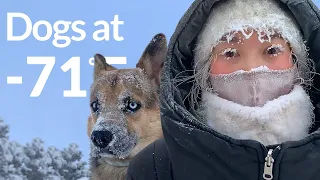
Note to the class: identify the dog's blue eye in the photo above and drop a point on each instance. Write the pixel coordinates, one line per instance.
(95, 106)
(133, 106)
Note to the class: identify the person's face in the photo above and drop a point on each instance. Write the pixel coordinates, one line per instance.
(244, 54)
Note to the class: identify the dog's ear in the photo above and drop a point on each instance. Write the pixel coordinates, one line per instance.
(153, 57)
(101, 65)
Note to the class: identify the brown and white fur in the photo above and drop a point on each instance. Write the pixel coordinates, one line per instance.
(125, 114)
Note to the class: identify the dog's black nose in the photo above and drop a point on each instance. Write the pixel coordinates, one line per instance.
(101, 138)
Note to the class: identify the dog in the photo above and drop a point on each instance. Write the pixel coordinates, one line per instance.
(125, 112)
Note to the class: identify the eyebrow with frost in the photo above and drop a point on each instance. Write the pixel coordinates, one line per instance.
(233, 37)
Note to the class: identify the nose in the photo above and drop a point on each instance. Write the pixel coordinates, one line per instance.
(101, 138)
(253, 62)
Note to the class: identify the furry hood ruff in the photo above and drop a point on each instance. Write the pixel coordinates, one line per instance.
(287, 118)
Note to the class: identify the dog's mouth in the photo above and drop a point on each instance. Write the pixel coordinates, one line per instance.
(109, 157)
(114, 160)
(107, 153)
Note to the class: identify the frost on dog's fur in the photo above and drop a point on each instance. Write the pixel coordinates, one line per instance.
(111, 117)
(122, 143)
(125, 114)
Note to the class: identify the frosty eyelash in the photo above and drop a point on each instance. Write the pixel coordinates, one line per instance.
(228, 50)
(278, 47)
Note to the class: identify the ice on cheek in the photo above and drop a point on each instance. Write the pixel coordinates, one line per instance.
(257, 69)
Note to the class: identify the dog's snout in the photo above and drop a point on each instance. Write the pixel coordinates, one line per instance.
(101, 139)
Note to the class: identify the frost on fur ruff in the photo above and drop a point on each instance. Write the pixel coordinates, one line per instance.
(283, 119)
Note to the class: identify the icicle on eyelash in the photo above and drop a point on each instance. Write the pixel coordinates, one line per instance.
(279, 47)
(228, 50)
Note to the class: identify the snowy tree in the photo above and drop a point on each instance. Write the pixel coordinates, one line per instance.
(33, 162)
(17, 159)
(37, 160)
(7, 169)
(72, 167)
(4, 129)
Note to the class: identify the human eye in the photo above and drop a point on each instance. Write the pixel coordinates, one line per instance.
(229, 53)
(275, 49)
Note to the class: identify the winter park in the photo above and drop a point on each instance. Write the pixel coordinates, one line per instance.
(167, 90)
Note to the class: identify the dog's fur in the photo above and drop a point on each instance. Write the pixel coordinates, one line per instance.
(124, 103)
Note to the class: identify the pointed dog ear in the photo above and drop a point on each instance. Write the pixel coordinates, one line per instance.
(100, 65)
(153, 57)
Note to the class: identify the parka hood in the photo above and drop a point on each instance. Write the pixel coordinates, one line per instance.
(180, 125)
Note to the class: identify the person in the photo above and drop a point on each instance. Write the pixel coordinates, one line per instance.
(239, 94)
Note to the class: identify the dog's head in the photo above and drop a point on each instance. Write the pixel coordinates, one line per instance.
(124, 104)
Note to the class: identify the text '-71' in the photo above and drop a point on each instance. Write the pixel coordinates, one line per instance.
(72, 64)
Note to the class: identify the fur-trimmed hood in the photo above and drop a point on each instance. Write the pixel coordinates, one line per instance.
(195, 149)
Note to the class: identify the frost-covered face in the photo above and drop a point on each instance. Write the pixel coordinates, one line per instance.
(246, 52)
(251, 69)
(241, 35)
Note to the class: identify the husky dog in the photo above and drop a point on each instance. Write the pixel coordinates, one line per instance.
(125, 112)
